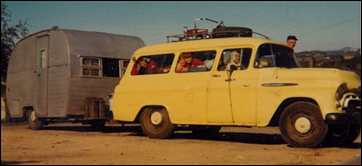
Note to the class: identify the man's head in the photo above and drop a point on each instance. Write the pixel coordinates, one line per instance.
(187, 57)
(291, 41)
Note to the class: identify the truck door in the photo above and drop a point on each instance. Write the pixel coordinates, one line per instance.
(242, 86)
(218, 94)
(42, 51)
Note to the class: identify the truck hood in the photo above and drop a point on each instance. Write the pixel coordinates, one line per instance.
(322, 74)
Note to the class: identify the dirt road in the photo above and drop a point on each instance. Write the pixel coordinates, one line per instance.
(75, 144)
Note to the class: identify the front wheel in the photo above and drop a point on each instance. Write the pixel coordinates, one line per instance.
(302, 125)
(33, 121)
(156, 123)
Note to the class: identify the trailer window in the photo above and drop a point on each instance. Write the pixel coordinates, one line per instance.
(91, 66)
(110, 67)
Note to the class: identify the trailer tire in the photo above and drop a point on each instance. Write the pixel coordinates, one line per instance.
(155, 123)
(33, 120)
(301, 125)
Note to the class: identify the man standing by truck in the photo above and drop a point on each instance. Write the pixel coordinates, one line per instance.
(291, 41)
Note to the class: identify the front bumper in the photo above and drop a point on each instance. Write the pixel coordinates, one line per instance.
(344, 118)
(350, 107)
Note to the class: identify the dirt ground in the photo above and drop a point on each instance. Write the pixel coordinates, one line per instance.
(76, 144)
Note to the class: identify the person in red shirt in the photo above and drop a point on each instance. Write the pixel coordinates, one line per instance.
(152, 67)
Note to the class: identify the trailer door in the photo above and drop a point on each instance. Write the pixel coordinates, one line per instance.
(42, 48)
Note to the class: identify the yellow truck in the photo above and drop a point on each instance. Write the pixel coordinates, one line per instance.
(237, 81)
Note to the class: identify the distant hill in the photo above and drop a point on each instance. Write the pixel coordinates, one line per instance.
(346, 58)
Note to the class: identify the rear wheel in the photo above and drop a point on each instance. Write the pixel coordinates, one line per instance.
(33, 120)
(155, 123)
(302, 125)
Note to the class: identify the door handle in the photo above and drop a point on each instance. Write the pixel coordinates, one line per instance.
(232, 79)
(245, 85)
(215, 75)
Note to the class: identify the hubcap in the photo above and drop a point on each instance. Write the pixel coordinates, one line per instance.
(156, 118)
(302, 125)
(33, 116)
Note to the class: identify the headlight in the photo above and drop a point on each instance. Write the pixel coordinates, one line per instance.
(341, 90)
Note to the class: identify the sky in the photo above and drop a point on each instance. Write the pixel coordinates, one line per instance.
(317, 25)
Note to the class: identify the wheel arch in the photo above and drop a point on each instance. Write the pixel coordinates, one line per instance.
(286, 102)
(136, 120)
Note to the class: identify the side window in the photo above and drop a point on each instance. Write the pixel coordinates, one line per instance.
(265, 57)
(239, 57)
(91, 66)
(155, 64)
(110, 67)
(43, 54)
(42, 60)
(284, 56)
(195, 61)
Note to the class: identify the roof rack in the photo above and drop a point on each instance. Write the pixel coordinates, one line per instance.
(220, 31)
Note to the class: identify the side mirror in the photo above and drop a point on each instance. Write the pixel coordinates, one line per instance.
(230, 70)
(233, 67)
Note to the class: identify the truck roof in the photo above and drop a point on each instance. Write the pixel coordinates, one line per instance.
(203, 43)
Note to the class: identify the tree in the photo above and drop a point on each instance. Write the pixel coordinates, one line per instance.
(10, 33)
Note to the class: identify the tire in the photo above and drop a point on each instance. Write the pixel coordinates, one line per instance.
(33, 120)
(302, 125)
(206, 130)
(155, 123)
(98, 125)
(342, 135)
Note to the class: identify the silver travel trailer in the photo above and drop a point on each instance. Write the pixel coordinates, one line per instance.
(66, 75)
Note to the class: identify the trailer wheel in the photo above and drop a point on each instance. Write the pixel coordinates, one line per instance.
(33, 120)
(155, 123)
(342, 135)
(302, 125)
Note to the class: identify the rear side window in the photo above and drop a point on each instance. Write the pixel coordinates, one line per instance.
(153, 64)
(201, 61)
